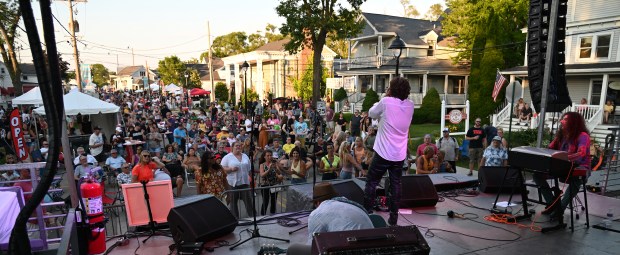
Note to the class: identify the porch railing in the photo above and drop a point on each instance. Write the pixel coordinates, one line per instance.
(591, 113)
(502, 115)
(416, 98)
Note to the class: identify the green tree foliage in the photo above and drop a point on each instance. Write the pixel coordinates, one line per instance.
(371, 98)
(252, 96)
(271, 35)
(340, 46)
(221, 92)
(230, 44)
(409, 10)
(309, 22)
(490, 40)
(172, 70)
(434, 12)
(101, 75)
(340, 94)
(9, 20)
(193, 79)
(304, 85)
(430, 111)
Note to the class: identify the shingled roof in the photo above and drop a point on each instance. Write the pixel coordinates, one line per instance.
(129, 70)
(274, 46)
(203, 69)
(409, 29)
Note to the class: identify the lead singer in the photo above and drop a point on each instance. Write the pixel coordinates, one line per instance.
(394, 112)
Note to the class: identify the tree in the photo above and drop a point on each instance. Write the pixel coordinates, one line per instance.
(252, 96)
(192, 61)
(371, 98)
(271, 35)
(490, 40)
(9, 18)
(221, 92)
(171, 69)
(101, 75)
(193, 79)
(304, 85)
(340, 94)
(434, 12)
(430, 109)
(230, 44)
(340, 46)
(309, 22)
(409, 11)
(255, 40)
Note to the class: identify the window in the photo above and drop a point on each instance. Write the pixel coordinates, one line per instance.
(366, 83)
(431, 49)
(24, 77)
(3, 71)
(594, 47)
(142, 73)
(595, 91)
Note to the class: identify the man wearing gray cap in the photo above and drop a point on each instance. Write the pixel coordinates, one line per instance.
(494, 155)
(450, 146)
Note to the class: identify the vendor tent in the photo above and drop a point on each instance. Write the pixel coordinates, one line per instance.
(154, 87)
(77, 102)
(31, 97)
(172, 87)
(198, 92)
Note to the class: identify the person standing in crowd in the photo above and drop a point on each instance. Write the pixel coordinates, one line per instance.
(495, 155)
(349, 165)
(489, 132)
(427, 143)
(96, 142)
(366, 124)
(180, 137)
(330, 164)
(329, 118)
(450, 146)
(341, 123)
(572, 137)
(301, 130)
(210, 177)
(297, 168)
(477, 142)
(270, 175)
(500, 133)
(237, 167)
(154, 139)
(356, 124)
(394, 112)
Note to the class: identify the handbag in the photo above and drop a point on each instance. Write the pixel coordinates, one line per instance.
(276, 189)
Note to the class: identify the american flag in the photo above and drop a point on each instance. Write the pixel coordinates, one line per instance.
(499, 82)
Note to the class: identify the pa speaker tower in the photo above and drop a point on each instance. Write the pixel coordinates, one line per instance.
(538, 35)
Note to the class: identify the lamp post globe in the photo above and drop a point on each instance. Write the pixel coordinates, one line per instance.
(244, 69)
(397, 46)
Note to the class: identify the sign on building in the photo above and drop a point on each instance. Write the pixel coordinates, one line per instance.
(333, 83)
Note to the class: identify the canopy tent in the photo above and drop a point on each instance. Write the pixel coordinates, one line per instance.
(171, 87)
(139, 91)
(31, 97)
(154, 87)
(198, 92)
(77, 102)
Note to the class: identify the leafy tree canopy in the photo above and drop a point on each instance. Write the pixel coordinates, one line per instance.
(239, 42)
(171, 70)
(221, 92)
(9, 19)
(309, 22)
(409, 10)
(303, 85)
(193, 79)
(434, 12)
(101, 75)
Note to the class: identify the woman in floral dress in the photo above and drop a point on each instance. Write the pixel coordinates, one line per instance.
(210, 177)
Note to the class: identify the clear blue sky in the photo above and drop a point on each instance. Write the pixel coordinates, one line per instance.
(156, 29)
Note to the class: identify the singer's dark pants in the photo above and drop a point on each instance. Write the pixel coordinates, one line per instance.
(377, 169)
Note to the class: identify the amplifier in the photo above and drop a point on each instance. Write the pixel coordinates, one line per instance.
(381, 241)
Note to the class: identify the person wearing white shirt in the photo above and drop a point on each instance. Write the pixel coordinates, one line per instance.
(90, 159)
(96, 143)
(237, 168)
(394, 112)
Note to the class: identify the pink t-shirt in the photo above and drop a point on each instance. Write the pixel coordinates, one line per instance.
(394, 120)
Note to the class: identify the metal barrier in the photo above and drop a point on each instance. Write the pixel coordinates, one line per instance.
(289, 198)
(117, 220)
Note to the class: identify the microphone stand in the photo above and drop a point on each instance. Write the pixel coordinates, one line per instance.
(255, 232)
(148, 207)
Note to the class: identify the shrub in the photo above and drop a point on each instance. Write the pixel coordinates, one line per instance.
(340, 94)
(221, 91)
(430, 109)
(371, 98)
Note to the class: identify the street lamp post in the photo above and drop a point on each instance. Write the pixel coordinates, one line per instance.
(397, 46)
(186, 76)
(244, 69)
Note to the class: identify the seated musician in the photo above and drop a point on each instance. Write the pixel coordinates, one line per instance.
(495, 155)
(573, 138)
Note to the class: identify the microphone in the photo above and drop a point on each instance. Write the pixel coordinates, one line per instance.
(452, 214)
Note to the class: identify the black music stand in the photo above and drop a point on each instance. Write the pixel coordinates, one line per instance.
(148, 208)
(255, 232)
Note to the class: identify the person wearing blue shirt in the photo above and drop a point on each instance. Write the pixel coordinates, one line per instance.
(495, 155)
(179, 136)
(301, 130)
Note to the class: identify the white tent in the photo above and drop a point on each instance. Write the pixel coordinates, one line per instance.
(78, 102)
(171, 87)
(154, 87)
(31, 97)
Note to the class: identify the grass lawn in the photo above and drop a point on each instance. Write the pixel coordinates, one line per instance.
(419, 130)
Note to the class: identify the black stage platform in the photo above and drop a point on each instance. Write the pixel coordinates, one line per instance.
(471, 235)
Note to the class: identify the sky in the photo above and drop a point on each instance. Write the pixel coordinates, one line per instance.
(111, 29)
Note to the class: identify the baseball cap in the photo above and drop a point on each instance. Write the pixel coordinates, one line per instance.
(497, 138)
(446, 130)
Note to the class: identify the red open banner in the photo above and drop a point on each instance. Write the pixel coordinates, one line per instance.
(19, 144)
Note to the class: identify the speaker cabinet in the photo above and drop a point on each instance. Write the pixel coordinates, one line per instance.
(417, 191)
(201, 221)
(490, 178)
(351, 190)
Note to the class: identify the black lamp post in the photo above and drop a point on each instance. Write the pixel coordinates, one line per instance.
(397, 45)
(186, 76)
(244, 69)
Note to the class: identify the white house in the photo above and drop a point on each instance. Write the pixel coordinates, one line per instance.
(132, 78)
(28, 78)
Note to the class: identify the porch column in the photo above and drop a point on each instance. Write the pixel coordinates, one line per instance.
(237, 82)
(603, 90)
(466, 84)
(424, 84)
(445, 84)
(260, 87)
(374, 82)
(227, 72)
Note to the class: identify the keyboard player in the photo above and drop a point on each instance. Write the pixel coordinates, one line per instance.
(573, 138)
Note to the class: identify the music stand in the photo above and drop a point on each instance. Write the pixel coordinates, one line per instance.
(255, 232)
(150, 214)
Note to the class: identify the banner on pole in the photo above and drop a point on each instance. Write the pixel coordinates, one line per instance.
(87, 76)
(333, 83)
(19, 144)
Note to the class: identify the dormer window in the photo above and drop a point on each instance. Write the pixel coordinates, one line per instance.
(431, 49)
(142, 73)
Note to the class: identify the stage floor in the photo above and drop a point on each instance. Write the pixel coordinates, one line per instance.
(446, 235)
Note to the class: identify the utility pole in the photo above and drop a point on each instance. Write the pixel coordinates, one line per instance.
(212, 95)
(133, 58)
(76, 56)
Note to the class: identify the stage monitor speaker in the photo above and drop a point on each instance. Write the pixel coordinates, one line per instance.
(201, 221)
(418, 191)
(351, 190)
(490, 178)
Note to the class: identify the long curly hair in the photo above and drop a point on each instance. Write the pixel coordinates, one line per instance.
(575, 125)
(399, 88)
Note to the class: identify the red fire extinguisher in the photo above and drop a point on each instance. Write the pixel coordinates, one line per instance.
(92, 193)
